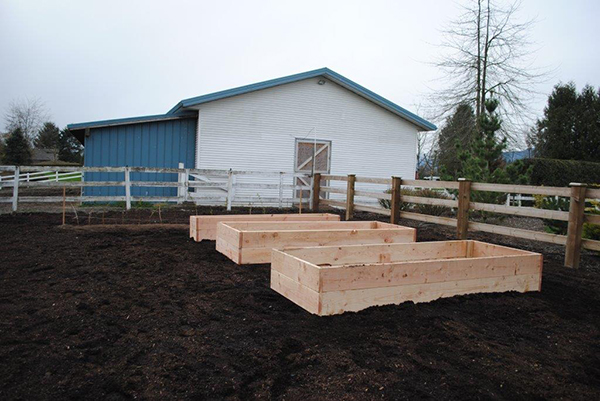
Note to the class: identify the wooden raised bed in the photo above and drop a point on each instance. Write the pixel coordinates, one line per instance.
(333, 280)
(205, 227)
(251, 242)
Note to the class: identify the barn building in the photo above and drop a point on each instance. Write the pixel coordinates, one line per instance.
(268, 126)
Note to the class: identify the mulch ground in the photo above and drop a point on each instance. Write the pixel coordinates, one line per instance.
(143, 312)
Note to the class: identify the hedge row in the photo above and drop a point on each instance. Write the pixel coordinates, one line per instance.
(559, 173)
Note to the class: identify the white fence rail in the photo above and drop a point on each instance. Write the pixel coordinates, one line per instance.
(43, 176)
(200, 186)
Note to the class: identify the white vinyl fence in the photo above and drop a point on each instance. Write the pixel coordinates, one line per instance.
(42, 176)
(200, 186)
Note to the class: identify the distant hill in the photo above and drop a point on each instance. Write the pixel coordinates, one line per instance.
(509, 157)
(515, 155)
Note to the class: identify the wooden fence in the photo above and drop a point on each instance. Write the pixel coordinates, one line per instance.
(193, 185)
(575, 217)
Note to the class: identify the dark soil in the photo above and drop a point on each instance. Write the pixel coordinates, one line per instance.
(114, 312)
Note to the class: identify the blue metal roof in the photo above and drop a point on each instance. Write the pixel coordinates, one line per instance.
(322, 72)
(130, 120)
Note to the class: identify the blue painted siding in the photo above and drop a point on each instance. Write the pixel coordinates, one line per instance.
(144, 144)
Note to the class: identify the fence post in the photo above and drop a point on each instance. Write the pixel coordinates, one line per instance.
(575, 228)
(186, 184)
(395, 202)
(15, 199)
(180, 189)
(464, 199)
(281, 189)
(350, 196)
(315, 191)
(229, 189)
(127, 189)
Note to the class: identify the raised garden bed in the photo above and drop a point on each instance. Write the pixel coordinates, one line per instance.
(205, 227)
(332, 280)
(251, 242)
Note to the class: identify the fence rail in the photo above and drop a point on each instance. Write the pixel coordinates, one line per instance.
(576, 216)
(201, 186)
(213, 186)
(41, 176)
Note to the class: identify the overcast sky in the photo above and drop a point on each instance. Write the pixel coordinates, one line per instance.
(94, 60)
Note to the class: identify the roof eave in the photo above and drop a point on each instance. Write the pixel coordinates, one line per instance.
(324, 72)
(78, 129)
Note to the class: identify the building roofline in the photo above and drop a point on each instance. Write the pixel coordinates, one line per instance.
(78, 129)
(130, 120)
(324, 72)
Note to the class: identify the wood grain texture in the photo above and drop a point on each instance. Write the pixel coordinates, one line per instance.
(351, 278)
(256, 239)
(337, 302)
(206, 226)
(575, 227)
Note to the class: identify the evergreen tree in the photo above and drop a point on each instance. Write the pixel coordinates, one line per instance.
(570, 129)
(69, 149)
(48, 137)
(483, 160)
(2, 147)
(460, 129)
(17, 151)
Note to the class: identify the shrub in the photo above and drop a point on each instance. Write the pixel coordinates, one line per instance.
(592, 231)
(557, 173)
(419, 208)
(404, 207)
(553, 203)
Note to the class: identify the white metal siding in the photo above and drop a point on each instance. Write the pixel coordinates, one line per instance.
(257, 131)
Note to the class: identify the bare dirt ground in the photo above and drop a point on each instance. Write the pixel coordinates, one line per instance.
(142, 312)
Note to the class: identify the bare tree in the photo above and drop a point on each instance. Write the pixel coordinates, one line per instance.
(27, 114)
(426, 144)
(429, 164)
(486, 51)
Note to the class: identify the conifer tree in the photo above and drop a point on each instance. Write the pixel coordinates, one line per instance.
(47, 137)
(482, 160)
(69, 149)
(17, 149)
(460, 128)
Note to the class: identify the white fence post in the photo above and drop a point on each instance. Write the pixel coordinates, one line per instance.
(186, 192)
(180, 189)
(81, 189)
(281, 189)
(127, 189)
(229, 189)
(507, 199)
(15, 199)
